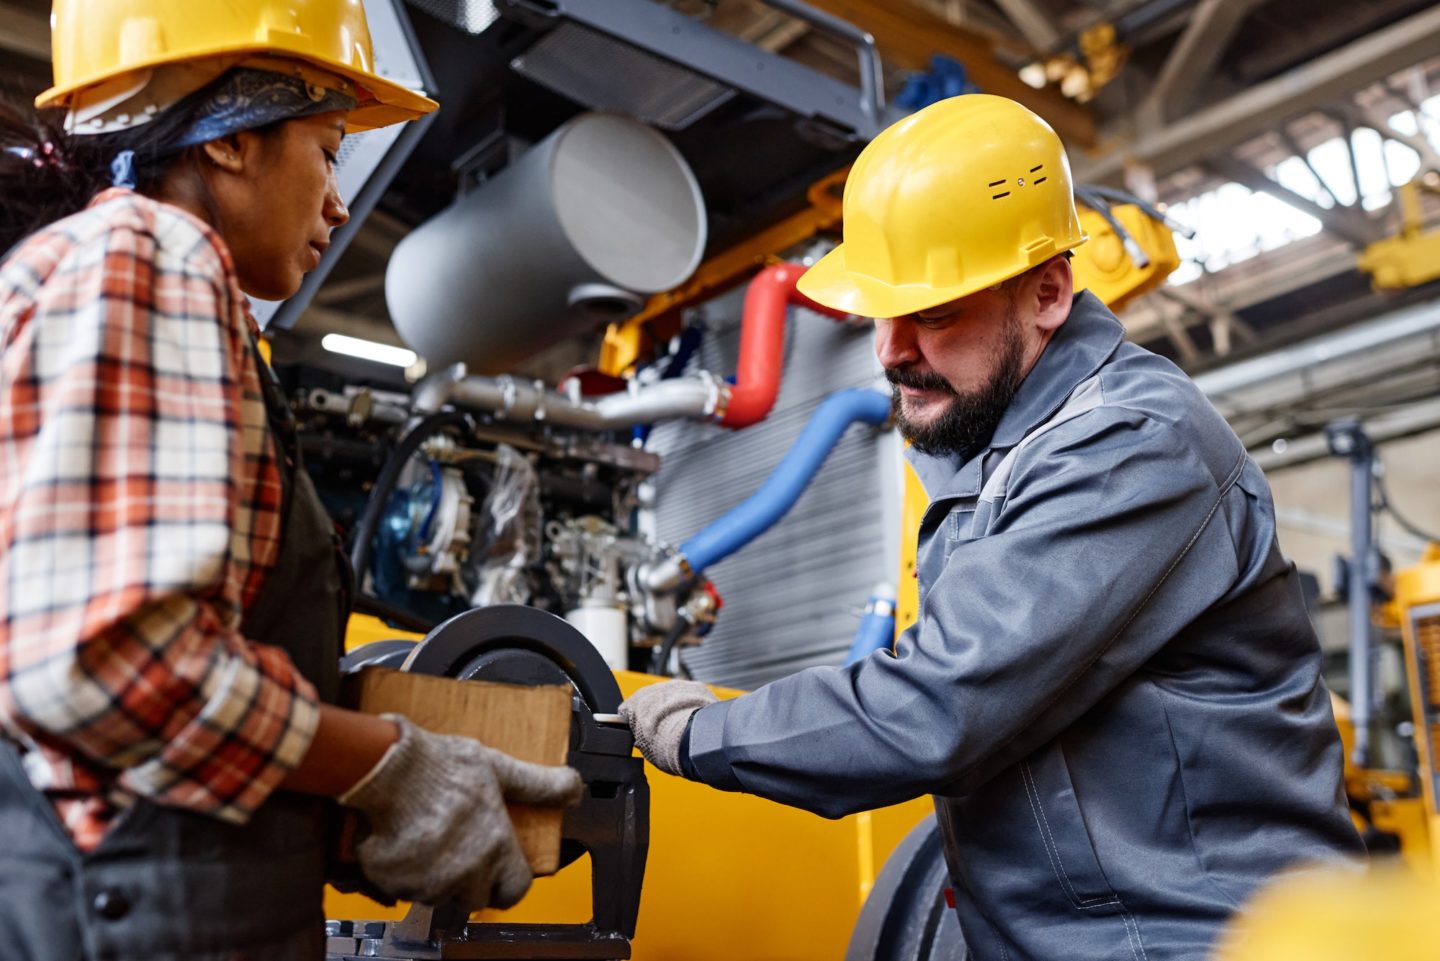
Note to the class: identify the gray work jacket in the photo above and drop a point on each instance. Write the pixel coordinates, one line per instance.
(1113, 689)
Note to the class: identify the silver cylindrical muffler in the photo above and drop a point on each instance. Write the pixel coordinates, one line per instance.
(575, 233)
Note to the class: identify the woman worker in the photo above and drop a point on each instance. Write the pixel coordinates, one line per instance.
(171, 597)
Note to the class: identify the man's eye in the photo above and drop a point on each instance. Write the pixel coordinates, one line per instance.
(330, 157)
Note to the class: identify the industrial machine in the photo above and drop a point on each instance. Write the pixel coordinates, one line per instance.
(507, 523)
(505, 529)
(586, 163)
(1395, 804)
(1409, 258)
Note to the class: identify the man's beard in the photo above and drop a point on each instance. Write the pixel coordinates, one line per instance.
(970, 417)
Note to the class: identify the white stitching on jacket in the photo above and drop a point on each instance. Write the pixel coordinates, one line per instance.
(1052, 851)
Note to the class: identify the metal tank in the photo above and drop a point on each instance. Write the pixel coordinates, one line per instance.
(574, 234)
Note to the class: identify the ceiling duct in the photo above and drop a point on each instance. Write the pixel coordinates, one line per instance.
(611, 36)
(607, 74)
(570, 236)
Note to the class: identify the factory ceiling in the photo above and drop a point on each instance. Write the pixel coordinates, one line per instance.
(1180, 100)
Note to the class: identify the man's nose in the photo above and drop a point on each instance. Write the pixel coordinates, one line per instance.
(895, 344)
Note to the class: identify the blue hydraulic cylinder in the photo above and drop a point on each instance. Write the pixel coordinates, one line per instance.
(762, 509)
(877, 625)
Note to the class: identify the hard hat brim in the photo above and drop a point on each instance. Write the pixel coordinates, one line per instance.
(831, 283)
(391, 102)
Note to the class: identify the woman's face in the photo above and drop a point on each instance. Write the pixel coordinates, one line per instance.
(276, 200)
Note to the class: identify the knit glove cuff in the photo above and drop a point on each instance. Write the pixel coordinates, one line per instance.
(658, 716)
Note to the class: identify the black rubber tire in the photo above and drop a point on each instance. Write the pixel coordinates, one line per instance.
(906, 917)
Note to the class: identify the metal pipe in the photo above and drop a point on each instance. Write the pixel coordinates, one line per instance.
(702, 396)
(1348, 440)
(697, 398)
(1359, 599)
(877, 624)
(1413, 419)
(1263, 371)
(519, 401)
(762, 342)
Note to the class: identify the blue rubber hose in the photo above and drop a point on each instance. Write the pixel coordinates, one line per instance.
(762, 509)
(877, 625)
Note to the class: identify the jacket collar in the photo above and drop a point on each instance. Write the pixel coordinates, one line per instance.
(1082, 344)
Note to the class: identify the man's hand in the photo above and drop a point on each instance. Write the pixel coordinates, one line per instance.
(658, 716)
(439, 830)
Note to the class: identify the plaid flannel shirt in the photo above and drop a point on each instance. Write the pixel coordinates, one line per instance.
(139, 516)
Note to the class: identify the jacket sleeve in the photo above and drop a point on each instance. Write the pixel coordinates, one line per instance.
(119, 629)
(1108, 544)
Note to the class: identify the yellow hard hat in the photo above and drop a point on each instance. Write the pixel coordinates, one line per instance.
(97, 44)
(957, 197)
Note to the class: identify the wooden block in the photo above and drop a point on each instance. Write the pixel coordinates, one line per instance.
(530, 723)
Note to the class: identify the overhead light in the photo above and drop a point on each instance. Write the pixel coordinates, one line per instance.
(1033, 75)
(368, 350)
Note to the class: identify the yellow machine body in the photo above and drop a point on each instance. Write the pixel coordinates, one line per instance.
(1410, 258)
(1416, 605)
(1399, 262)
(1388, 798)
(1103, 266)
(719, 863)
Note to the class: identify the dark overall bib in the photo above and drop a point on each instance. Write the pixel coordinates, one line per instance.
(171, 885)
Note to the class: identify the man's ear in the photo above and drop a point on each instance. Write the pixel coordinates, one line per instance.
(1054, 290)
(227, 153)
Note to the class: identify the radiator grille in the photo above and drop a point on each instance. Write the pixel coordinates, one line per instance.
(472, 16)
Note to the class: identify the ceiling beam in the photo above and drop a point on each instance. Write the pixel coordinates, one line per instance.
(1033, 23)
(908, 35)
(26, 32)
(1345, 222)
(1207, 35)
(1370, 117)
(1265, 105)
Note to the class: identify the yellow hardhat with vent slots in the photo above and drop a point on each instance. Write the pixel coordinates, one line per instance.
(100, 47)
(957, 197)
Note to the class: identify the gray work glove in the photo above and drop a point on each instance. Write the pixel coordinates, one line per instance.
(439, 831)
(658, 716)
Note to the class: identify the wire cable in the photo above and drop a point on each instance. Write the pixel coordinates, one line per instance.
(1153, 212)
(1089, 198)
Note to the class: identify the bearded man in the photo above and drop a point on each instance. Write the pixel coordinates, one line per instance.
(1113, 689)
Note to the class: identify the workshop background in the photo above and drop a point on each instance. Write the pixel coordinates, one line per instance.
(583, 221)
